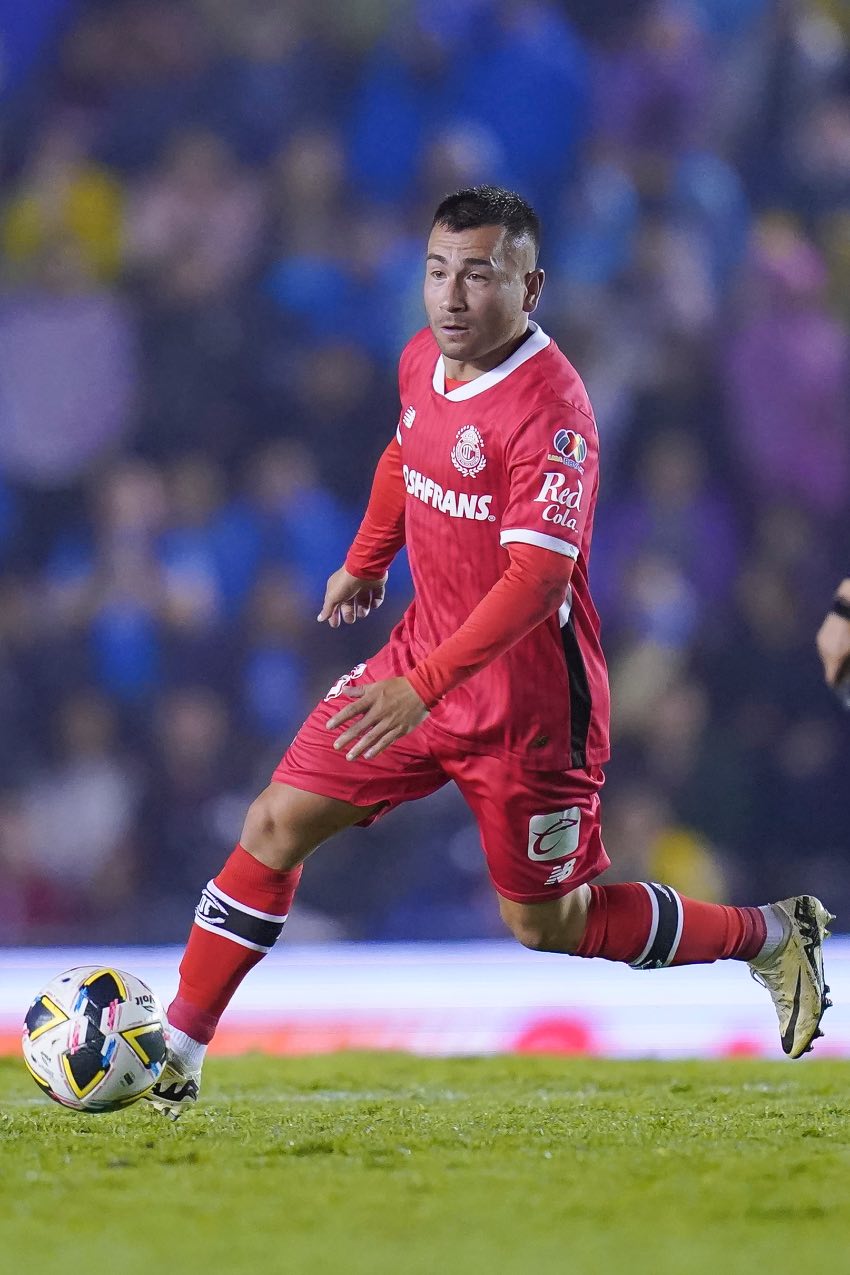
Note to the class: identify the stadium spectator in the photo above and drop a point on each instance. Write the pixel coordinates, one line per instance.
(788, 362)
(193, 227)
(62, 196)
(68, 368)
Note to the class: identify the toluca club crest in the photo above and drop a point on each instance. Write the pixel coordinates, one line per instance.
(468, 452)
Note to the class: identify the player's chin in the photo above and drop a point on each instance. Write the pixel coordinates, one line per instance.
(456, 342)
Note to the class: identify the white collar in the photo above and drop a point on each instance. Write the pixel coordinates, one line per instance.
(531, 346)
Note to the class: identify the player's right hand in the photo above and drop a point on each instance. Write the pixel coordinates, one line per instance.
(349, 598)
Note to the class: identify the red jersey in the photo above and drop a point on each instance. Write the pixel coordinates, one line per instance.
(509, 457)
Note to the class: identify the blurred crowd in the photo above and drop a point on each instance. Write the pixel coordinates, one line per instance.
(211, 231)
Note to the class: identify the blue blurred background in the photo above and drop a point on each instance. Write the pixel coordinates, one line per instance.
(212, 221)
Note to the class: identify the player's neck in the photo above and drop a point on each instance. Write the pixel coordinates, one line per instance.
(460, 371)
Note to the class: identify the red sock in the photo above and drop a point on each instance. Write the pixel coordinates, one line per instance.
(238, 919)
(652, 926)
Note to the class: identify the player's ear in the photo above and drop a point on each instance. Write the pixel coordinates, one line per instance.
(534, 281)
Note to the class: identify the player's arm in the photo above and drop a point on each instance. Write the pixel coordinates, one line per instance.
(532, 588)
(358, 586)
(833, 640)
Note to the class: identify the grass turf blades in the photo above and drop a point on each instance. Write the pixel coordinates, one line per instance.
(367, 1163)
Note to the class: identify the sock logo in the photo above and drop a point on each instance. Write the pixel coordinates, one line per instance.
(247, 926)
(210, 909)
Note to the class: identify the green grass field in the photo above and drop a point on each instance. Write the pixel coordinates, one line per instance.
(379, 1163)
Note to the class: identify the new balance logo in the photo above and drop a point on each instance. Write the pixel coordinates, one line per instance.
(558, 875)
(210, 909)
(409, 417)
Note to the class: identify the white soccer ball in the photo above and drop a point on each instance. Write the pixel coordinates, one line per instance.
(94, 1039)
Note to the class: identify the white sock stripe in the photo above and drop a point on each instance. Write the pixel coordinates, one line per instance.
(679, 927)
(653, 929)
(278, 918)
(225, 934)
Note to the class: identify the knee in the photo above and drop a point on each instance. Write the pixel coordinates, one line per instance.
(535, 936)
(548, 927)
(263, 819)
(270, 835)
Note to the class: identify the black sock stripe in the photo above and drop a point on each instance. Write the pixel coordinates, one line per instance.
(580, 701)
(668, 931)
(214, 913)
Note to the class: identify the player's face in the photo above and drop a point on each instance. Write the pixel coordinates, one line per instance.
(480, 287)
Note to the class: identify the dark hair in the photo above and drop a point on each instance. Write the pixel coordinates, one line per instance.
(489, 206)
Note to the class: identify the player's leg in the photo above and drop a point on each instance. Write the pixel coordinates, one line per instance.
(542, 837)
(316, 793)
(652, 926)
(642, 924)
(242, 911)
(240, 916)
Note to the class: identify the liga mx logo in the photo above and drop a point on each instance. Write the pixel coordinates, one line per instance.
(468, 452)
(571, 448)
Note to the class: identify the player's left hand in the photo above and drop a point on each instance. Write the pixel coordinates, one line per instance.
(833, 643)
(833, 639)
(386, 710)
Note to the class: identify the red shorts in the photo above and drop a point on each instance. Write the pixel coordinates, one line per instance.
(540, 829)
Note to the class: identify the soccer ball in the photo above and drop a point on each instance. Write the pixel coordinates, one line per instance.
(94, 1039)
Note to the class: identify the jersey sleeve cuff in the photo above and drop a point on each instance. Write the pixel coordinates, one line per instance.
(427, 693)
(367, 568)
(520, 535)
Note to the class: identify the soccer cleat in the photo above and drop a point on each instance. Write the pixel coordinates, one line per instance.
(794, 975)
(175, 1091)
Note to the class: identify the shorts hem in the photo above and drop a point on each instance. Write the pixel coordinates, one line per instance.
(322, 788)
(543, 896)
(554, 891)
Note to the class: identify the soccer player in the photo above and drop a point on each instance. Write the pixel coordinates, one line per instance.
(494, 677)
